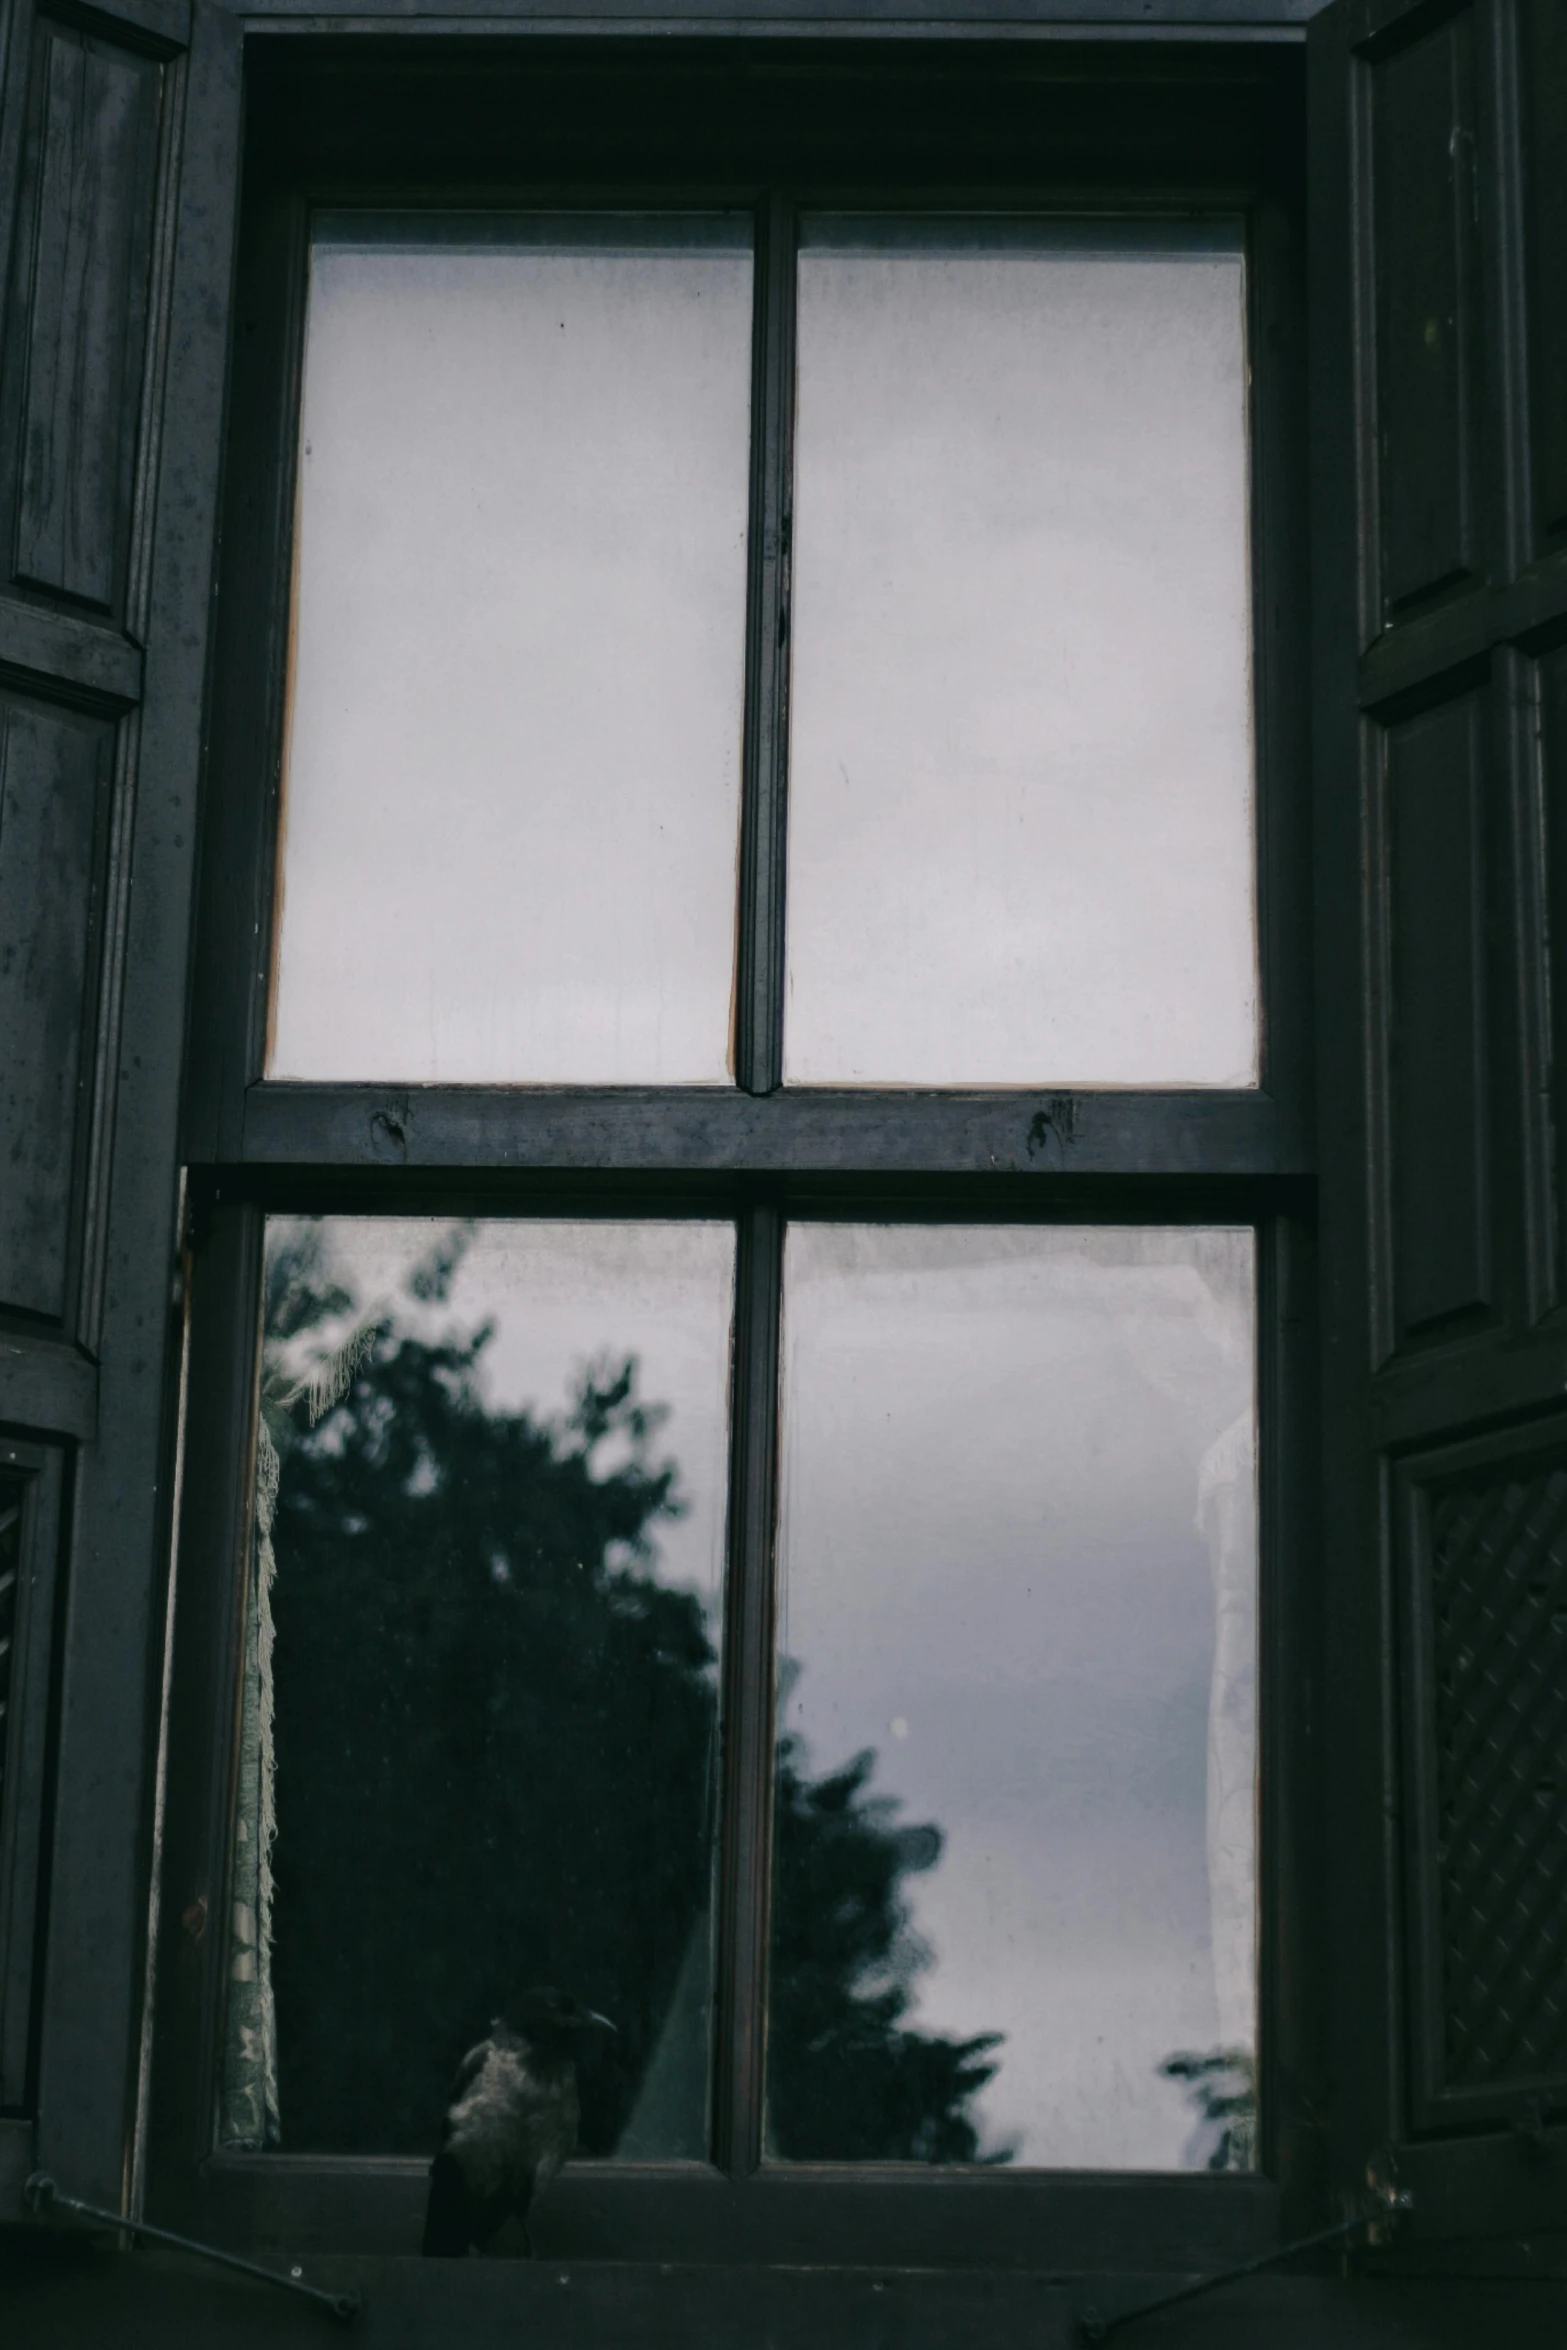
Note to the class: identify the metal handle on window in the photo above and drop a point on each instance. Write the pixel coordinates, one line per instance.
(41, 2195)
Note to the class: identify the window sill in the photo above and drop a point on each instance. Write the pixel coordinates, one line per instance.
(822, 2218)
(16, 2160)
(83, 2292)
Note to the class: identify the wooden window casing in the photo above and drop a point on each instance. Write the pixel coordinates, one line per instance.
(862, 125)
(1426, 147)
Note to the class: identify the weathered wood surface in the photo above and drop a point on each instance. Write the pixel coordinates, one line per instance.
(67, 2297)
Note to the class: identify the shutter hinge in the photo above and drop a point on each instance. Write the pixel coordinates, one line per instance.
(1377, 2212)
(41, 2195)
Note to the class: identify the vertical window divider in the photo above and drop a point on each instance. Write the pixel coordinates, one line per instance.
(748, 1697)
(759, 976)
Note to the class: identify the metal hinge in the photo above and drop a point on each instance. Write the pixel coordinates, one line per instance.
(41, 2195)
(1377, 2212)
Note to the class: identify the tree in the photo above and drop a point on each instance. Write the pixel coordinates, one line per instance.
(1222, 2085)
(496, 1743)
(847, 2079)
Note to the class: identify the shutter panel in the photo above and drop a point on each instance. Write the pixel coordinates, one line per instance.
(1439, 162)
(119, 142)
(29, 1549)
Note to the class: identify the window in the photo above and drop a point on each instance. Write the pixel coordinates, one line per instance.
(639, 1356)
(742, 1286)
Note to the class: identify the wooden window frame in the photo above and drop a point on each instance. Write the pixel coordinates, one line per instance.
(343, 121)
(32, 1485)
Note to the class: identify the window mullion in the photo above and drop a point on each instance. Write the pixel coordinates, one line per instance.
(758, 1044)
(748, 1696)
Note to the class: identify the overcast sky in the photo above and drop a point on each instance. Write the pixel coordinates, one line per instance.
(993, 1574)
(1020, 789)
(512, 782)
(998, 1443)
(1020, 770)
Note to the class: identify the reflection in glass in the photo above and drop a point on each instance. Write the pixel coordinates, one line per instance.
(1020, 795)
(1014, 1874)
(513, 764)
(480, 1686)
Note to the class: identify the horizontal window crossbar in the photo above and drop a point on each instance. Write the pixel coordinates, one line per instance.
(1050, 1133)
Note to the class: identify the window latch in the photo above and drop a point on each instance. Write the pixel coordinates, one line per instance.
(41, 2196)
(1382, 2204)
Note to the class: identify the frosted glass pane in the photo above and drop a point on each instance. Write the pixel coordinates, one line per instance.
(1020, 795)
(513, 768)
(1014, 1897)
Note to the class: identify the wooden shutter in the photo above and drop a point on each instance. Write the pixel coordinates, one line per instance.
(118, 171)
(1439, 357)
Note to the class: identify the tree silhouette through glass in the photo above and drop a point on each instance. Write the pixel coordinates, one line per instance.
(847, 2079)
(496, 1738)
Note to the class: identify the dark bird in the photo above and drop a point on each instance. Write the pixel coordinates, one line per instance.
(511, 2123)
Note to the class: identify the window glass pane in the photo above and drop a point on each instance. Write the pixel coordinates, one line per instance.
(513, 766)
(1014, 1895)
(1020, 797)
(480, 1687)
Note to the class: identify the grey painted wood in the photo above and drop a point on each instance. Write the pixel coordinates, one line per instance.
(1480, 1552)
(68, 649)
(1427, 356)
(1050, 1133)
(72, 2294)
(749, 1672)
(759, 989)
(1543, 74)
(54, 778)
(167, 22)
(16, 2160)
(1421, 650)
(1146, 18)
(89, 2031)
(46, 1383)
(1071, 2221)
(1430, 1390)
(1358, 1891)
(120, 1520)
(92, 172)
(1434, 1011)
(1439, 1091)
(760, 1153)
(31, 1484)
(1549, 712)
(1293, 1829)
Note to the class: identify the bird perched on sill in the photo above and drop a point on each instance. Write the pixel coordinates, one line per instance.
(511, 2123)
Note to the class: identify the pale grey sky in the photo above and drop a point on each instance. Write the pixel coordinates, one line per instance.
(1020, 826)
(998, 1443)
(1020, 794)
(992, 1572)
(512, 781)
